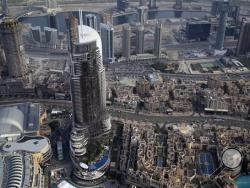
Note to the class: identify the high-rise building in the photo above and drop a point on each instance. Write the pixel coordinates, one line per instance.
(88, 90)
(199, 30)
(5, 7)
(107, 36)
(12, 44)
(233, 9)
(51, 37)
(126, 43)
(36, 34)
(222, 27)
(140, 40)
(157, 40)
(2, 62)
(122, 5)
(178, 4)
(142, 14)
(91, 21)
(152, 4)
(53, 22)
(243, 46)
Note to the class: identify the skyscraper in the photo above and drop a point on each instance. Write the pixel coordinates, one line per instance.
(107, 36)
(243, 46)
(5, 7)
(36, 34)
(142, 14)
(51, 37)
(122, 5)
(140, 40)
(91, 21)
(88, 90)
(12, 44)
(152, 4)
(157, 40)
(53, 22)
(126, 43)
(222, 27)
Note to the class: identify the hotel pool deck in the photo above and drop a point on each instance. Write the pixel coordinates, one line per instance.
(243, 182)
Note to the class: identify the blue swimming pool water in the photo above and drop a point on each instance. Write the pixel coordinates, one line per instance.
(243, 182)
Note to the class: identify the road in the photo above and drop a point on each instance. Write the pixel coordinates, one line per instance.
(196, 45)
(221, 120)
(225, 120)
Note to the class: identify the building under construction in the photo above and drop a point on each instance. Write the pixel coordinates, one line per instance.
(12, 44)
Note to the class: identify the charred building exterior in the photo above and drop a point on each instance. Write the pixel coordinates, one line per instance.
(88, 88)
(12, 44)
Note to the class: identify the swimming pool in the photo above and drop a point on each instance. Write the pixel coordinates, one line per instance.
(243, 182)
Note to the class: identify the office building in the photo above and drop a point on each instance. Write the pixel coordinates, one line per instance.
(126, 42)
(140, 40)
(91, 21)
(157, 39)
(36, 34)
(243, 46)
(88, 91)
(5, 7)
(222, 27)
(12, 44)
(152, 4)
(53, 22)
(142, 14)
(51, 37)
(199, 31)
(107, 36)
(122, 5)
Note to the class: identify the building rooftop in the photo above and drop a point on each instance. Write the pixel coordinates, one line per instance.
(19, 118)
(28, 144)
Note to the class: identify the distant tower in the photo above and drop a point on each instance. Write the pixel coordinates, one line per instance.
(107, 36)
(36, 34)
(142, 14)
(243, 46)
(51, 37)
(178, 4)
(53, 22)
(142, 3)
(140, 40)
(122, 5)
(222, 27)
(5, 7)
(12, 44)
(126, 43)
(91, 21)
(152, 4)
(157, 40)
